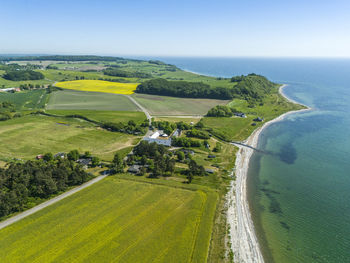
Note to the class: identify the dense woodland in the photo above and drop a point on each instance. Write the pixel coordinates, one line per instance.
(252, 88)
(23, 183)
(20, 75)
(184, 89)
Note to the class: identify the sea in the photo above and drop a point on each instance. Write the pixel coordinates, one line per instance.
(299, 192)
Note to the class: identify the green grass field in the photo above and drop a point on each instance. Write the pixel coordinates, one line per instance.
(238, 129)
(30, 135)
(26, 100)
(116, 220)
(164, 106)
(104, 116)
(79, 100)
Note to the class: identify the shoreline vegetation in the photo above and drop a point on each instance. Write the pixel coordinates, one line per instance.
(243, 238)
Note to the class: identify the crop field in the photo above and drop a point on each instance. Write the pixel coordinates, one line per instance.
(171, 106)
(79, 100)
(31, 135)
(116, 220)
(104, 116)
(99, 86)
(26, 100)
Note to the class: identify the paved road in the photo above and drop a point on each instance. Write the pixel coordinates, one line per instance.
(37, 208)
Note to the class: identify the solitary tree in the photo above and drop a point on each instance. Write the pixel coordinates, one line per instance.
(118, 164)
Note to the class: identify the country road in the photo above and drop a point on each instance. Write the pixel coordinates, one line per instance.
(41, 206)
(148, 116)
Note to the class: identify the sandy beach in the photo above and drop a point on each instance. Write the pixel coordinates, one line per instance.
(244, 242)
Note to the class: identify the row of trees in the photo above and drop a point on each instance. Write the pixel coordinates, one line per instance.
(185, 142)
(183, 89)
(20, 183)
(131, 127)
(125, 74)
(169, 127)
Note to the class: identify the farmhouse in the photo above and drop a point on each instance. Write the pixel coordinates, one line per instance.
(160, 138)
(84, 162)
(11, 90)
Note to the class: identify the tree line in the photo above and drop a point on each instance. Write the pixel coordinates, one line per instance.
(115, 72)
(21, 183)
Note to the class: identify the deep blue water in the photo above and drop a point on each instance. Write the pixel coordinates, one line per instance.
(300, 196)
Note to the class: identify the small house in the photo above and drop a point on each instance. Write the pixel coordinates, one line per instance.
(39, 156)
(134, 169)
(211, 156)
(259, 119)
(209, 171)
(240, 114)
(84, 162)
(60, 155)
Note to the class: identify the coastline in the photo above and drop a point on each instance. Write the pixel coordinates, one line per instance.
(244, 242)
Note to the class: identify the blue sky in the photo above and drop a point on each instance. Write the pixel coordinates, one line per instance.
(177, 28)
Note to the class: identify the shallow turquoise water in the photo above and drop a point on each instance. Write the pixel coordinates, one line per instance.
(300, 194)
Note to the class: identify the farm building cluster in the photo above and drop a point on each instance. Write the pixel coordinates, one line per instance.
(160, 137)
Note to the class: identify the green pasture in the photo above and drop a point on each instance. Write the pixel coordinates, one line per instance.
(79, 100)
(31, 135)
(116, 220)
(238, 129)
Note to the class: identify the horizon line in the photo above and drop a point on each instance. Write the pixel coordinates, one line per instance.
(173, 56)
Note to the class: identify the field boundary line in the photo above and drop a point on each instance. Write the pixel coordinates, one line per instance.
(49, 202)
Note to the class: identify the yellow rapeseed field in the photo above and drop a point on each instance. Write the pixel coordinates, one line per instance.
(99, 86)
